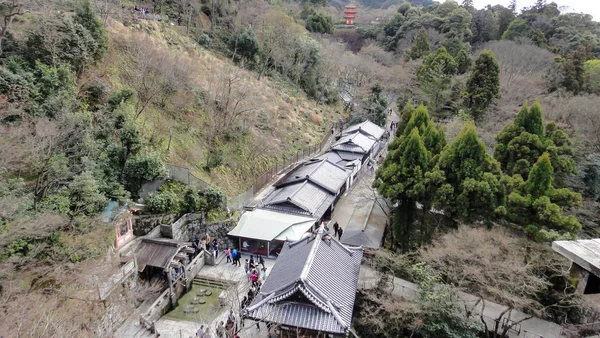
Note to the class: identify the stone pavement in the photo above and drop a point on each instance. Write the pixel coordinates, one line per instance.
(528, 328)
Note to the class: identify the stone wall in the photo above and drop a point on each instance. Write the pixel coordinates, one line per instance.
(143, 224)
(191, 227)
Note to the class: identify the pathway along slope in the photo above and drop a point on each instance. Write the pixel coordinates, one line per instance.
(528, 328)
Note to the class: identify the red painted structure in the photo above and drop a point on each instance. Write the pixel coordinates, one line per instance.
(350, 14)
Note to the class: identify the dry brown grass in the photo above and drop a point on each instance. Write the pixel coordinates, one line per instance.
(494, 264)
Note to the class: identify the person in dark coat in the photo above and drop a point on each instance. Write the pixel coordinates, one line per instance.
(340, 232)
(336, 227)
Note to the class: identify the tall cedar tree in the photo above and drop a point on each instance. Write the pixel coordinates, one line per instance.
(483, 85)
(467, 178)
(537, 203)
(463, 60)
(401, 177)
(420, 47)
(520, 144)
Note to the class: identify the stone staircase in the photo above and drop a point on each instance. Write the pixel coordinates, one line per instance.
(211, 282)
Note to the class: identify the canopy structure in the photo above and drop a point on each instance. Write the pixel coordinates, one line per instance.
(583, 252)
(266, 225)
(159, 253)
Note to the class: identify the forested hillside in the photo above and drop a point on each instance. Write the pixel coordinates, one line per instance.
(497, 152)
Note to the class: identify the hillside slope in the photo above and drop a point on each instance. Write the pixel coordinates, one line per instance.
(261, 120)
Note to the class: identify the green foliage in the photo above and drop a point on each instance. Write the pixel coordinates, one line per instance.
(143, 167)
(520, 144)
(591, 74)
(84, 15)
(573, 69)
(85, 195)
(446, 63)
(435, 77)
(538, 38)
(244, 44)
(62, 40)
(439, 304)
(215, 198)
(319, 23)
(537, 202)
(402, 174)
(517, 28)
(467, 178)
(540, 178)
(164, 202)
(420, 47)
(43, 89)
(463, 60)
(483, 84)
(117, 98)
(375, 105)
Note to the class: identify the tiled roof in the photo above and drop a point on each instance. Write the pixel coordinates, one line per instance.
(320, 172)
(157, 253)
(304, 198)
(367, 128)
(356, 142)
(312, 285)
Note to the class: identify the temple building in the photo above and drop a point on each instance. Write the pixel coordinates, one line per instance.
(311, 289)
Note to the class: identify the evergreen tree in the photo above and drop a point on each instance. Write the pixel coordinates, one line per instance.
(376, 104)
(466, 178)
(435, 77)
(401, 176)
(463, 60)
(420, 47)
(319, 23)
(520, 144)
(536, 204)
(483, 84)
(84, 15)
(447, 64)
(539, 182)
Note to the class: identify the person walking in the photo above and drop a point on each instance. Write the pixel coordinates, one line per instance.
(261, 261)
(340, 232)
(336, 227)
(228, 255)
(238, 257)
(234, 256)
(247, 269)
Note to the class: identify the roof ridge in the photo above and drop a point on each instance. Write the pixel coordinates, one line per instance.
(290, 198)
(311, 255)
(263, 301)
(337, 316)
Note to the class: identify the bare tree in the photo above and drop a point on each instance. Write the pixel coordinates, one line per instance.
(154, 72)
(107, 8)
(230, 101)
(9, 9)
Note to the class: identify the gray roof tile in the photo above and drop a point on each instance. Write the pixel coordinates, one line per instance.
(312, 285)
(323, 173)
(306, 196)
(355, 142)
(367, 128)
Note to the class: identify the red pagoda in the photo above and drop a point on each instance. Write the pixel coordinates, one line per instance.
(349, 14)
